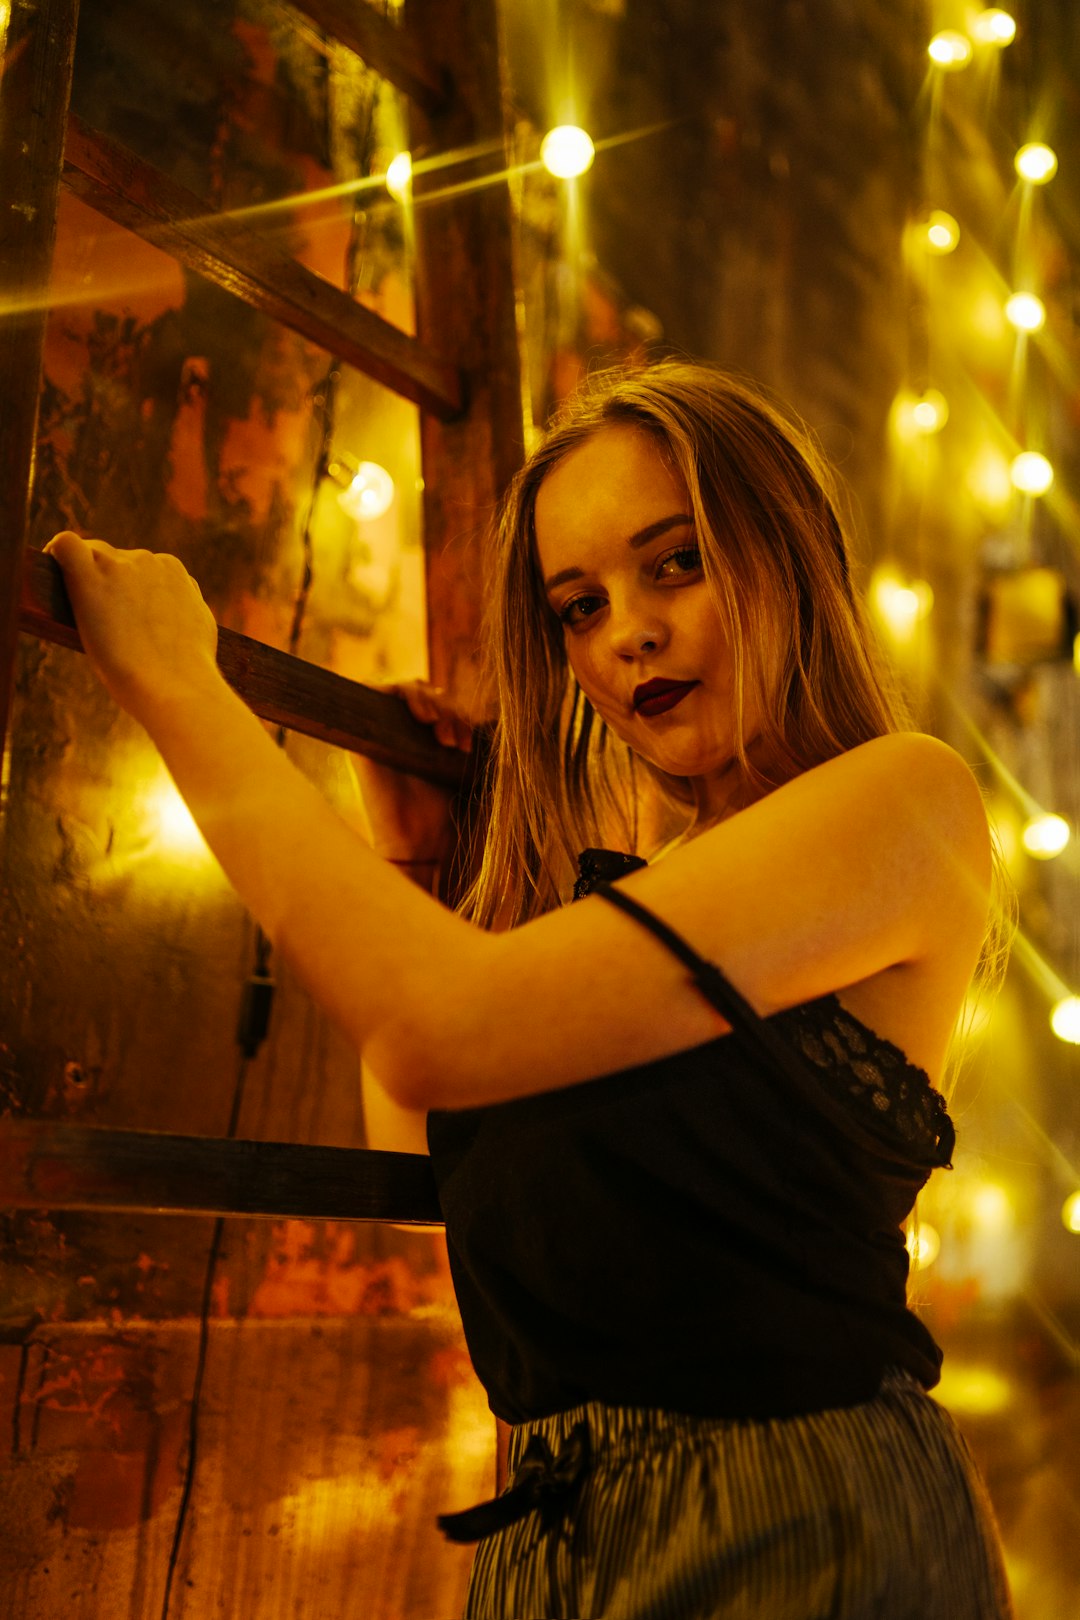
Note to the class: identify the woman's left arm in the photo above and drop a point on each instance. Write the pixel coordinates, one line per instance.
(878, 858)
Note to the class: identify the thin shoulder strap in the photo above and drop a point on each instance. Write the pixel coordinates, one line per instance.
(707, 976)
(755, 1031)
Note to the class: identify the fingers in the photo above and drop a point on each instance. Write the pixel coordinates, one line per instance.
(432, 706)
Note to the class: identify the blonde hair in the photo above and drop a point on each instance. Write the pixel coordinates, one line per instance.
(777, 561)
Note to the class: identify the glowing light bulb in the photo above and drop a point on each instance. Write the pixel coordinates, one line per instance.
(178, 836)
(994, 27)
(930, 413)
(1045, 836)
(1031, 473)
(900, 605)
(567, 151)
(991, 1208)
(1036, 163)
(950, 51)
(989, 481)
(399, 176)
(1026, 312)
(370, 494)
(1070, 1212)
(975, 1391)
(942, 232)
(923, 1245)
(1065, 1020)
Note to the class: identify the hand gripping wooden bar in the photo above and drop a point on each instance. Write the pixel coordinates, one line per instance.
(278, 687)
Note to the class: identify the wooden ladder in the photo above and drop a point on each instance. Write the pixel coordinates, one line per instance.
(462, 370)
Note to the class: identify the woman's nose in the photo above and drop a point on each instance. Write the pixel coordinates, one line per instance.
(634, 633)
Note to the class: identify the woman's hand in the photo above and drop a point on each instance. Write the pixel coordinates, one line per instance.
(411, 821)
(144, 625)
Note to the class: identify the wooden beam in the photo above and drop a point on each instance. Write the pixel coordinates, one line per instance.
(393, 51)
(45, 1164)
(35, 87)
(278, 687)
(113, 180)
(465, 302)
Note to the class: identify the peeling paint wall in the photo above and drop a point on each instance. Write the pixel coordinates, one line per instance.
(337, 1411)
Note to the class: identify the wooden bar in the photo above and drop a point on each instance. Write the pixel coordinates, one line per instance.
(466, 303)
(394, 52)
(113, 180)
(50, 1165)
(35, 87)
(278, 687)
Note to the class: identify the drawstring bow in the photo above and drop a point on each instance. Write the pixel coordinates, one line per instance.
(541, 1481)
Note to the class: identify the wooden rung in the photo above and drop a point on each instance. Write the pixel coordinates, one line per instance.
(111, 179)
(46, 1164)
(393, 51)
(277, 686)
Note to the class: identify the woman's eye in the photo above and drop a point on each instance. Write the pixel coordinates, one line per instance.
(581, 608)
(685, 560)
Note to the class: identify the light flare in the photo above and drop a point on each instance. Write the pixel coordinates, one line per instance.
(567, 151)
(1036, 163)
(1025, 312)
(950, 50)
(994, 27)
(942, 232)
(1065, 1020)
(1045, 836)
(1031, 473)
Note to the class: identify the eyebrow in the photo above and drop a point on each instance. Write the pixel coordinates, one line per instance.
(652, 531)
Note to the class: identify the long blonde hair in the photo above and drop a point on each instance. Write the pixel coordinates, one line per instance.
(777, 561)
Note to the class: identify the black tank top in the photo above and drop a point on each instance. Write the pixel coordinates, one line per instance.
(716, 1232)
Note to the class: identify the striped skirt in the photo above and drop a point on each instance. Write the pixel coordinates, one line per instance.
(872, 1512)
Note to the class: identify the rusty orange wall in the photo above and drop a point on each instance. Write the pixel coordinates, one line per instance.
(338, 1412)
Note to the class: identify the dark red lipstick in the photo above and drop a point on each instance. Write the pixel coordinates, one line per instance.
(656, 697)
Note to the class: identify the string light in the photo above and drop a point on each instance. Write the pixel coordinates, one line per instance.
(1026, 312)
(950, 51)
(1036, 163)
(1065, 1020)
(923, 1245)
(994, 27)
(370, 494)
(930, 413)
(942, 232)
(1070, 1212)
(989, 481)
(1031, 473)
(901, 606)
(975, 1391)
(567, 151)
(399, 176)
(1045, 836)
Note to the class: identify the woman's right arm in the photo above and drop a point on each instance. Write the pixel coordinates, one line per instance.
(410, 823)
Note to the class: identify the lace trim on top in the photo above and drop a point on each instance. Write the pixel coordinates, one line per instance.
(865, 1070)
(869, 1072)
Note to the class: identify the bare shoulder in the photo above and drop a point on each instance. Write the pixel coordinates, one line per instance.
(923, 778)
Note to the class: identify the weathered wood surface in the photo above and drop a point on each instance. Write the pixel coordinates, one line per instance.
(120, 185)
(326, 1447)
(466, 307)
(394, 52)
(49, 1165)
(278, 687)
(35, 88)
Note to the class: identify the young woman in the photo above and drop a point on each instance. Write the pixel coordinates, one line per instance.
(676, 1127)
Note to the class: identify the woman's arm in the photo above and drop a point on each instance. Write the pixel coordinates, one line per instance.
(877, 858)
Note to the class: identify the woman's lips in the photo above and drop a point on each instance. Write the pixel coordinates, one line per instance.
(659, 698)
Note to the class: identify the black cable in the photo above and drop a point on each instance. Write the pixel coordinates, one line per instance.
(258, 993)
(195, 1412)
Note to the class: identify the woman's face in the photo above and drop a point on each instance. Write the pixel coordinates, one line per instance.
(619, 558)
